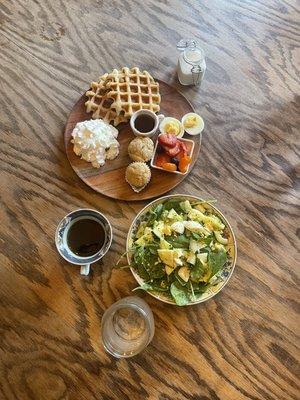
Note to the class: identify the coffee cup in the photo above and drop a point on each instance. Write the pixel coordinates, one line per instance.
(145, 123)
(83, 237)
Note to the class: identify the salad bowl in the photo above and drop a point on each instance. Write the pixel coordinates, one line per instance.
(219, 258)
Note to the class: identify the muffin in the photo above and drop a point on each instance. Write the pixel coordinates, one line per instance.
(141, 149)
(138, 175)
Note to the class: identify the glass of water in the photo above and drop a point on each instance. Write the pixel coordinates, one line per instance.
(127, 327)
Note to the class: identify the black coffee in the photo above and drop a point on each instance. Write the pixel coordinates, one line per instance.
(144, 123)
(85, 237)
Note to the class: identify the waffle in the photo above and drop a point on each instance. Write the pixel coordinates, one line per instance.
(117, 95)
(100, 105)
(132, 90)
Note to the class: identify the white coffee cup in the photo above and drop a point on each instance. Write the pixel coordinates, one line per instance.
(61, 238)
(156, 119)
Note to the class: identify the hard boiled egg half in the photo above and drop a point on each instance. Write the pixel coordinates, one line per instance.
(192, 123)
(171, 125)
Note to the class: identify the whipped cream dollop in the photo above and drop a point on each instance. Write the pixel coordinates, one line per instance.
(95, 141)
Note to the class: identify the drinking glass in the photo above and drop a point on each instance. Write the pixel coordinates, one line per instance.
(127, 327)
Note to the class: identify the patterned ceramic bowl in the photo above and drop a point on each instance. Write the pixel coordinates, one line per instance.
(226, 272)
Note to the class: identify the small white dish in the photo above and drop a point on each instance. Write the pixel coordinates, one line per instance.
(193, 131)
(167, 120)
(190, 145)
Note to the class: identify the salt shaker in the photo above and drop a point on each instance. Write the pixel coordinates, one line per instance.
(191, 62)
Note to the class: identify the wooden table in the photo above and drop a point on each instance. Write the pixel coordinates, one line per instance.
(243, 344)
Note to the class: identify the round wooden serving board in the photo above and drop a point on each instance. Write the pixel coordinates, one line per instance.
(110, 179)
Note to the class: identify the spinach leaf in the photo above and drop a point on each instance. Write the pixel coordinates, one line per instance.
(179, 294)
(171, 278)
(145, 255)
(172, 203)
(157, 270)
(196, 236)
(138, 255)
(163, 284)
(152, 247)
(155, 214)
(216, 261)
(206, 249)
(197, 296)
(147, 264)
(197, 290)
(207, 240)
(200, 287)
(197, 271)
(178, 242)
(180, 280)
(152, 287)
(141, 270)
(209, 201)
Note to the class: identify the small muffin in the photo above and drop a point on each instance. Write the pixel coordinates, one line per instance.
(138, 175)
(141, 149)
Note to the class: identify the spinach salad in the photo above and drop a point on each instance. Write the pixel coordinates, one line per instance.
(180, 248)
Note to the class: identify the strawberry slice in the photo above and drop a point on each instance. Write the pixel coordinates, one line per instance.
(183, 146)
(174, 150)
(183, 150)
(167, 140)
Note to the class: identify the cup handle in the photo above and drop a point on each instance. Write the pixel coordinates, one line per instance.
(160, 117)
(85, 269)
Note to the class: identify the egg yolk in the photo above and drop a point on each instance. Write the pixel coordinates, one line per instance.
(172, 128)
(190, 122)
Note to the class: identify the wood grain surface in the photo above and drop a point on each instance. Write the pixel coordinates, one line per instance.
(244, 343)
(110, 178)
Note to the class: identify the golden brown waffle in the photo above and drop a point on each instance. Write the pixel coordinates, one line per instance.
(100, 105)
(117, 95)
(132, 90)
